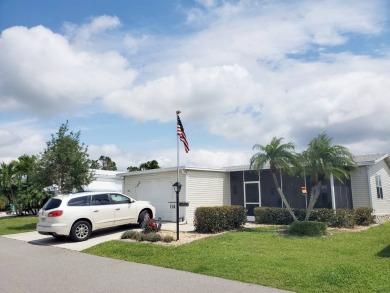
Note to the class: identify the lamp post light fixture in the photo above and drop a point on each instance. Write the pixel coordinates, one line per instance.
(177, 188)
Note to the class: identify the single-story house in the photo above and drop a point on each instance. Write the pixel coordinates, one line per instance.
(369, 186)
(104, 180)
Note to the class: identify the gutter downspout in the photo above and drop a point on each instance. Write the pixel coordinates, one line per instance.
(281, 186)
(185, 199)
(332, 192)
(369, 188)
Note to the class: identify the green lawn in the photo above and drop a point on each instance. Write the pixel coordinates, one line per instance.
(342, 262)
(15, 225)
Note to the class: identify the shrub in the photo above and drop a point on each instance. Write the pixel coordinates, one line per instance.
(280, 216)
(322, 215)
(363, 216)
(221, 218)
(274, 216)
(343, 218)
(307, 228)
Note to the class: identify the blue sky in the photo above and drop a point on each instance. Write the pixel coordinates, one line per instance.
(241, 72)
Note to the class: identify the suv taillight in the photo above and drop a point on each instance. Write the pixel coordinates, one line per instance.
(55, 214)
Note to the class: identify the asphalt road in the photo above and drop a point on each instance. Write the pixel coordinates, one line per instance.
(28, 267)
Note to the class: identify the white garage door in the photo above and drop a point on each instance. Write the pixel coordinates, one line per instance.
(159, 193)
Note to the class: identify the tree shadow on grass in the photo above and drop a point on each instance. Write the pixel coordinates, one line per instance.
(263, 230)
(24, 227)
(385, 252)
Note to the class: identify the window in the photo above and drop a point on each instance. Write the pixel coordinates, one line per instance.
(379, 190)
(100, 199)
(52, 203)
(119, 198)
(79, 201)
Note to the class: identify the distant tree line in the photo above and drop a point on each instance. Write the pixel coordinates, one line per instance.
(64, 166)
(145, 166)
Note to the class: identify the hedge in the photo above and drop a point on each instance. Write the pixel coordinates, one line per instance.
(342, 218)
(220, 218)
(363, 216)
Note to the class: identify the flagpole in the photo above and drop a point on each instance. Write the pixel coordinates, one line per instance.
(177, 182)
(182, 136)
(177, 138)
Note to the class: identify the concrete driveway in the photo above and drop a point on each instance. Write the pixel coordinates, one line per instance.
(36, 268)
(96, 238)
(30, 262)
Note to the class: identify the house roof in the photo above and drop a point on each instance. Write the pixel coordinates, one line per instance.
(171, 169)
(103, 186)
(371, 159)
(105, 173)
(362, 160)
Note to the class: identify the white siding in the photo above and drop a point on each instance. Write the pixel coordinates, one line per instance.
(380, 206)
(206, 188)
(157, 188)
(360, 188)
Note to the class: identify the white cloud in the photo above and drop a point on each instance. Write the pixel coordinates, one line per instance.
(201, 93)
(43, 73)
(97, 26)
(132, 44)
(232, 75)
(217, 158)
(19, 138)
(273, 29)
(206, 158)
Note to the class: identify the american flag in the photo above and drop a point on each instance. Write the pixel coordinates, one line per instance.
(182, 134)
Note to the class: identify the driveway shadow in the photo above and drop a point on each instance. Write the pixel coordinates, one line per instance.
(96, 237)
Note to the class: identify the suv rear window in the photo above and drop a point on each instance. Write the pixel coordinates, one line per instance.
(52, 203)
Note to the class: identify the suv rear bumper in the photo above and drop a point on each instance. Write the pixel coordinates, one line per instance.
(53, 229)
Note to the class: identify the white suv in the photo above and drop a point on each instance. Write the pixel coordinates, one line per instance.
(78, 214)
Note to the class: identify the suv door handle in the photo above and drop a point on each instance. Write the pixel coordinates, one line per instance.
(95, 211)
(117, 209)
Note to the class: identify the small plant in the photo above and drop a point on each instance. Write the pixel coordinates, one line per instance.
(167, 239)
(149, 233)
(151, 237)
(130, 235)
(142, 236)
(151, 225)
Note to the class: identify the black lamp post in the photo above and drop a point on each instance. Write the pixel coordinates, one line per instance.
(177, 188)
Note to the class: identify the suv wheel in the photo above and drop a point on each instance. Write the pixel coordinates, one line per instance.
(80, 231)
(143, 216)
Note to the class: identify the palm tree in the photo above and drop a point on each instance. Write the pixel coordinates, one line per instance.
(322, 159)
(8, 180)
(30, 193)
(26, 167)
(281, 158)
